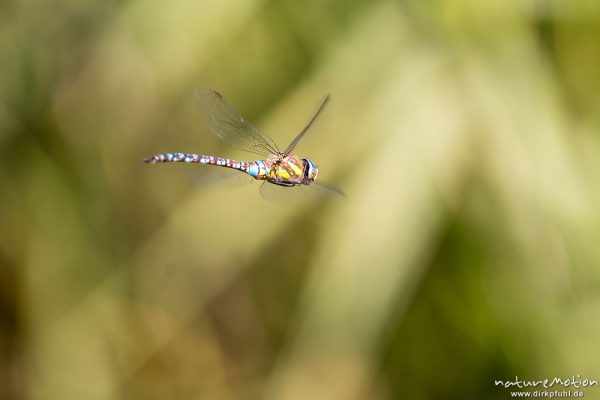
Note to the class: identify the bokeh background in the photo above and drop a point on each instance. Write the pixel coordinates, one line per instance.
(465, 134)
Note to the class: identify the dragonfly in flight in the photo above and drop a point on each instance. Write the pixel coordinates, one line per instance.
(281, 168)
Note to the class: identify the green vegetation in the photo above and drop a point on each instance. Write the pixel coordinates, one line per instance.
(465, 133)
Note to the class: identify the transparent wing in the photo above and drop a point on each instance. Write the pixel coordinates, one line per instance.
(310, 122)
(329, 189)
(283, 195)
(217, 177)
(302, 193)
(225, 122)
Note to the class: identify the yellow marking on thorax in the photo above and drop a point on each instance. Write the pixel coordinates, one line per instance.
(288, 168)
(282, 172)
(296, 169)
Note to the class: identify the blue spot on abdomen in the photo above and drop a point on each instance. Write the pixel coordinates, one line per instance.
(253, 169)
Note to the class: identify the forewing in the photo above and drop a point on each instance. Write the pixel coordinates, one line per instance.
(225, 122)
(297, 194)
(328, 189)
(308, 125)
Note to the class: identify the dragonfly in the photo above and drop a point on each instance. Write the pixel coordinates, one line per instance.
(279, 168)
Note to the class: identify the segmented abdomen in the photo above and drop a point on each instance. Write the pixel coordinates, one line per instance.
(256, 169)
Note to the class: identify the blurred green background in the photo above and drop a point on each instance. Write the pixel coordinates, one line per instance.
(465, 133)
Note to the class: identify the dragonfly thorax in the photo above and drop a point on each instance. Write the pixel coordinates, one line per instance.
(288, 170)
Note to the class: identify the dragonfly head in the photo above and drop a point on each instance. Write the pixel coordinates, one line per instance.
(310, 171)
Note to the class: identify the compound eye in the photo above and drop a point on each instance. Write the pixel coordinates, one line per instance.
(307, 169)
(310, 170)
